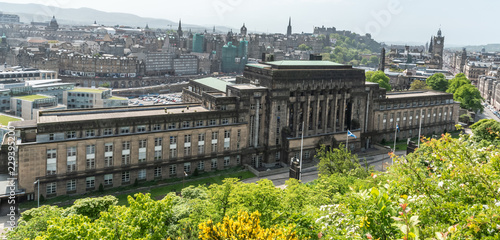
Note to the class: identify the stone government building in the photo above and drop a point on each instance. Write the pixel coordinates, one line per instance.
(256, 120)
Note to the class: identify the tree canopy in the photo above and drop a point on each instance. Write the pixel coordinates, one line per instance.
(437, 82)
(458, 81)
(469, 98)
(380, 78)
(419, 85)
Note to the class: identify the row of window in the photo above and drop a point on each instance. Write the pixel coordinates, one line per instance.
(407, 117)
(71, 152)
(415, 104)
(144, 128)
(51, 188)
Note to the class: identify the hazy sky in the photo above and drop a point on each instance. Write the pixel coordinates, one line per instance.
(406, 21)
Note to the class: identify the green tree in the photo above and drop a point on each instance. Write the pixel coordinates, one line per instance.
(339, 160)
(486, 129)
(419, 85)
(458, 81)
(33, 222)
(380, 78)
(437, 82)
(304, 47)
(469, 98)
(374, 60)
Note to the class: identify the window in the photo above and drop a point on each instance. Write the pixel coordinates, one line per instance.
(173, 153)
(108, 147)
(227, 133)
(107, 131)
(141, 175)
(215, 135)
(187, 167)
(187, 138)
(187, 151)
(214, 163)
(89, 133)
(126, 145)
(108, 161)
(185, 124)
(173, 139)
(171, 126)
(51, 161)
(158, 155)
(226, 161)
(51, 188)
(158, 141)
(201, 137)
(51, 137)
(125, 177)
(225, 121)
(212, 122)
(90, 149)
(199, 123)
(70, 135)
(157, 172)
(201, 148)
(173, 169)
(156, 127)
(124, 130)
(278, 156)
(307, 154)
(71, 159)
(142, 143)
(201, 165)
(214, 147)
(71, 185)
(125, 159)
(141, 128)
(108, 179)
(90, 182)
(238, 159)
(90, 163)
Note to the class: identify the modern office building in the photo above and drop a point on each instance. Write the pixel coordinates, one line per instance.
(92, 98)
(27, 107)
(257, 120)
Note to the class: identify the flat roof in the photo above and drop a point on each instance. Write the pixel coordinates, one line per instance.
(417, 94)
(88, 90)
(214, 83)
(115, 113)
(32, 98)
(118, 98)
(303, 63)
(247, 86)
(5, 119)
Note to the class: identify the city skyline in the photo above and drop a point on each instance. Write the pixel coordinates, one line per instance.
(391, 21)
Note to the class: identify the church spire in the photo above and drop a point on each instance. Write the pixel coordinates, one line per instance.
(179, 30)
(289, 29)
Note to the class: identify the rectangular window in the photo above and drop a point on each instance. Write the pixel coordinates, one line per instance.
(89, 133)
(51, 161)
(107, 131)
(141, 128)
(158, 141)
(215, 135)
(124, 130)
(214, 163)
(142, 143)
(201, 137)
(173, 169)
(199, 123)
(187, 138)
(71, 159)
(214, 147)
(108, 179)
(126, 145)
(227, 133)
(212, 122)
(278, 156)
(90, 163)
(141, 175)
(70, 135)
(171, 126)
(158, 155)
(51, 188)
(187, 167)
(238, 159)
(125, 159)
(226, 161)
(51, 137)
(225, 121)
(201, 165)
(173, 153)
(90, 149)
(187, 151)
(173, 139)
(157, 172)
(185, 124)
(71, 185)
(201, 148)
(156, 127)
(90, 182)
(125, 177)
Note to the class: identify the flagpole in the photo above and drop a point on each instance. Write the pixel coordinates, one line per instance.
(347, 140)
(420, 129)
(301, 148)
(395, 136)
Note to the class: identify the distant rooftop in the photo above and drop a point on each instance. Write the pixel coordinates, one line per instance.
(5, 119)
(294, 64)
(32, 98)
(416, 94)
(213, 83)
(88, 90)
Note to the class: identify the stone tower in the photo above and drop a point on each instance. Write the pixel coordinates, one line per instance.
(437, 50)
(179, 29)
(243, 30)
(381, 66)
(289, 29)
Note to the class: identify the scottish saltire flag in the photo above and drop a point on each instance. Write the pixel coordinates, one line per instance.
(350, 134)
(397, 127)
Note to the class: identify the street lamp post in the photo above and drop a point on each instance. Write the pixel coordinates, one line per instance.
(38, 188)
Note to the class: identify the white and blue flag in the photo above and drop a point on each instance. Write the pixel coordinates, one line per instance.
(350, 134)
(397, 127)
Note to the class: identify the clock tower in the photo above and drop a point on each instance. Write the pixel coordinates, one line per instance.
(437, 50)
